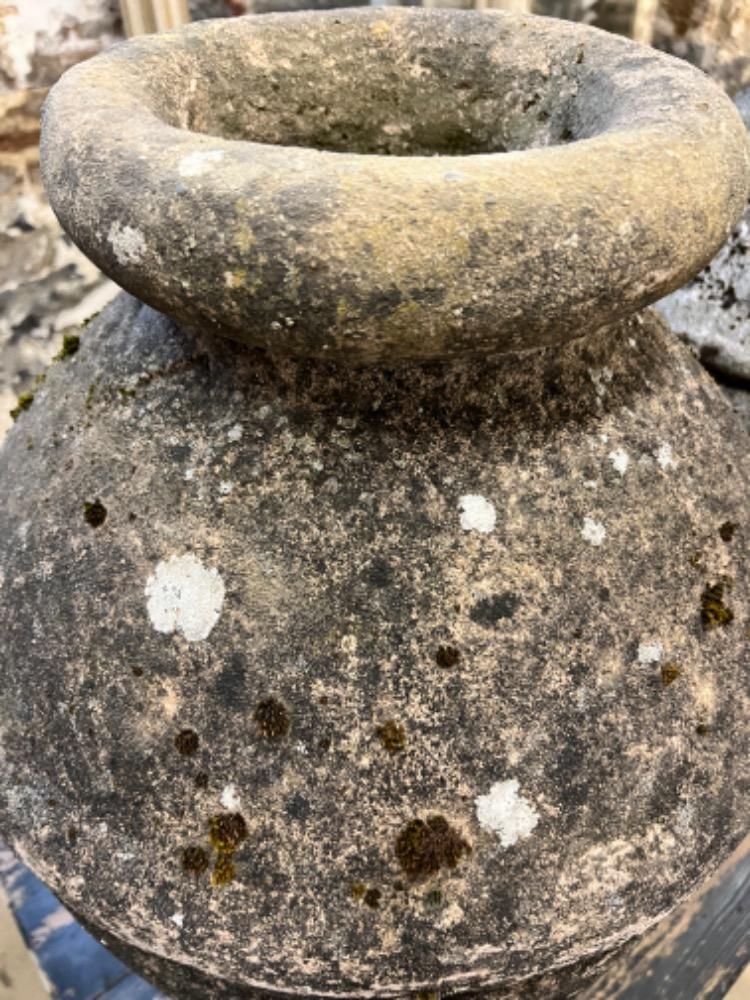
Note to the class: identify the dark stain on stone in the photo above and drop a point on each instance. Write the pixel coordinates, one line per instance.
(703, 729)
(72, 835)
(669, 673)
(70, 344)
(392, 736)
(94, 513)
(137, 671)
(434, 897)
(201, 780)
(447, 656)
(372, 898)
(379, 573)
(194, 860)
(230, 684)
(187, 742)
(727, 530)
(226, 831)
(488, 611)
(714, 612)
(272, 719)
(425, 846)
(298, 807)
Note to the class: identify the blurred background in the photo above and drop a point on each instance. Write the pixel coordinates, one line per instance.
(48, 288)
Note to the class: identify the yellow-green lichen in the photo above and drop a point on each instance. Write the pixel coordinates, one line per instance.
(392, 736)
(224, 870)
(23, 402)
(669, 673)
(70, 344)
(714, 611)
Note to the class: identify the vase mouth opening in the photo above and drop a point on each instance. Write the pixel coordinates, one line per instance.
(372, 90)
(335, 184)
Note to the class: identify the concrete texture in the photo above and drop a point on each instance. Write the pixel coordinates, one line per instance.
(427, 679)
(547, 138)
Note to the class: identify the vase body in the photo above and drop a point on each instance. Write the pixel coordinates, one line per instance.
(505, 602)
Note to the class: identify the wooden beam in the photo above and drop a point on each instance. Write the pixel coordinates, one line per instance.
(170, 14)
(144, 17)
(138, 17)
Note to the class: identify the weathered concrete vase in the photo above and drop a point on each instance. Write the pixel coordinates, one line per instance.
(333, 676)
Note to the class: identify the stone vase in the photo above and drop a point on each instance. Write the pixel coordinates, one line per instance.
(374, 588)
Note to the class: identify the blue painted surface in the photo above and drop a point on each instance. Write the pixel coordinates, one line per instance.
(77, 967)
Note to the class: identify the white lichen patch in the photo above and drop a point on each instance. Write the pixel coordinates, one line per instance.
(593, 531)
(504, 812)
(230, 799)
(128, 243)
(199, 163)
(235, 433)
(477, 514)
(664, 457)
(178, 919)
(649, 652)
(620, 460)
(225, 487)
(184, 596)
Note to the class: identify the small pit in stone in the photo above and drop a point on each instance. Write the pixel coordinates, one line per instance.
(447, 657)
(727, 530)
(372, 898)
(94, 513)
(187, 742)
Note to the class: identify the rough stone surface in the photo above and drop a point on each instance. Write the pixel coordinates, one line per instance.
(609, 680)
(712, 312)
(739, 400)
(559, 137)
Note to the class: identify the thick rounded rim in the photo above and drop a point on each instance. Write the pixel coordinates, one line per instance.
(236, 175)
